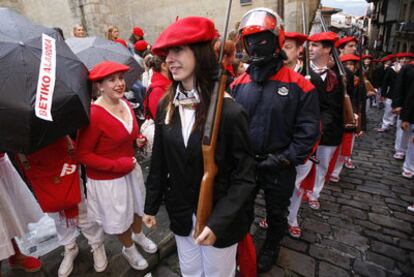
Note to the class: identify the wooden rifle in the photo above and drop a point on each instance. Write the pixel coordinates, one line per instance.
(305, 44)
(348, 112)
(362, 86)
(209, 142)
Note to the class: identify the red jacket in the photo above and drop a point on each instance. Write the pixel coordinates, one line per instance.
(105, 147)
(159, 85)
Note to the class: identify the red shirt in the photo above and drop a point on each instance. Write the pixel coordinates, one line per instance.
(1, 154)
(105, 147)
(157, 89)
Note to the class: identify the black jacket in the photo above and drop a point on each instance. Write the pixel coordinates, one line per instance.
(388, 83)
(407, 86)
(283, 113)
(331, 108)
(403, 81)
(176, 174)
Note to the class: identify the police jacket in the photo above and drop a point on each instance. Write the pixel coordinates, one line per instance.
(331, 109)
(283, 113)
(388, 83)
(176, 173)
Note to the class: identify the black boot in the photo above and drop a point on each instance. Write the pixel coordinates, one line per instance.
(267, 258)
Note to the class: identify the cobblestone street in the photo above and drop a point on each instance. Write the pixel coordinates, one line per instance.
(362, 228)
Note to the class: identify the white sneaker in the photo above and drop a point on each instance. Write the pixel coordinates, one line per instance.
(411, 208)
(100, 262)
(66, 266)
(148, 245)
(134, 258)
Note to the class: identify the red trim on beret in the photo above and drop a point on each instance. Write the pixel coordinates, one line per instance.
(367, 56)
(324, 36)
(349, 57)
(345, 40)
(300, 38)
(184, 31)
(138, 31)
(106, 68)
(121, 41)
(141, 45)
(405, 55)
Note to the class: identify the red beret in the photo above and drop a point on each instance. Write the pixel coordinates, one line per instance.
(405, 55)
(367, 56)
(141, 45)
(121, 41)
(138, 31)
(349, 57)
(344, 40)
(324, 36)
(184, 31)
(388, 57)
(300, 38)
(106, 68)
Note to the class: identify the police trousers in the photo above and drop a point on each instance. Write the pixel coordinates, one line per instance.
(278, 187)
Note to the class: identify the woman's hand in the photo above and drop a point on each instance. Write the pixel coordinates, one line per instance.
(207, 237)
(149, 220)
(141, 141)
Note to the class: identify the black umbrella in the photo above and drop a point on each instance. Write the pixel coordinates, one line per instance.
(93, 50)
(26, 56)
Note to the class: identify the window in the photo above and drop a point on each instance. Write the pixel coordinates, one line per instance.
(245, 2)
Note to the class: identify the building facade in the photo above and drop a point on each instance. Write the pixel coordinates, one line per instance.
(392, 25)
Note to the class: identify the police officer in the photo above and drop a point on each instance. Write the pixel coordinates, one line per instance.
(284, 119)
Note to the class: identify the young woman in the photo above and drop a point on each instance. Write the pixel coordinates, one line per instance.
(115, 183)
(113, 35)
(177, 161)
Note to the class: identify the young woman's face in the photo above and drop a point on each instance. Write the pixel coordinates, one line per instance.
(350, 65)
(113, 86)
(181, 62)
(115, 33)
(241, 69)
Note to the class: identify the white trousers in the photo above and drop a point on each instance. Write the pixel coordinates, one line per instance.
(205, 261)
(66, 233)
(339, 165)
(324, 154)
(295, 201)
(389, 118)
(401, 138)
(409, 157)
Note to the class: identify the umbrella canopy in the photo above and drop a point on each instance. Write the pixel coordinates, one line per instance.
(44, 90)
(93, 50)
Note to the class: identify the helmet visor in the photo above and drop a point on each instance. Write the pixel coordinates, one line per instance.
(258, 21)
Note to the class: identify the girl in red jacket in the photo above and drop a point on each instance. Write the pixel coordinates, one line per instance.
(115, 186)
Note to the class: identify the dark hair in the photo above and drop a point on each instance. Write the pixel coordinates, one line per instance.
(133, 39)
(59, 30)
(205, 75)
(327, 44)
(155, 63)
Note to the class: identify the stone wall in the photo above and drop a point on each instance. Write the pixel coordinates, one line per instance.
(153, 16)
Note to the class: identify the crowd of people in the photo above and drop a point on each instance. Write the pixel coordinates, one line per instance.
(282, 130)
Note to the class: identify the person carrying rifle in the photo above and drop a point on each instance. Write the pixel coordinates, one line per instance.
(401, 102)
(401, 135)
(331, 93)
(346, 46)
(177, 158)
(293, 47)
(284, 120)
(387, 90)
